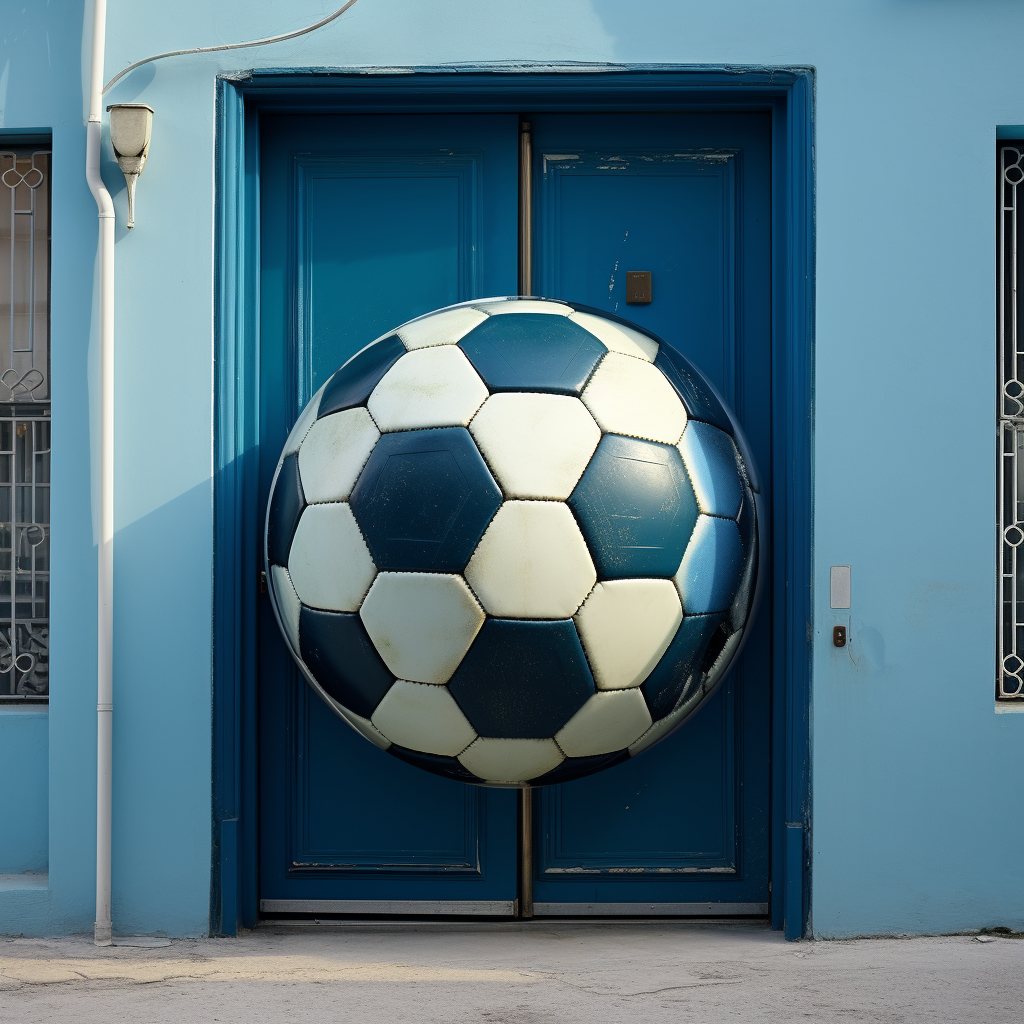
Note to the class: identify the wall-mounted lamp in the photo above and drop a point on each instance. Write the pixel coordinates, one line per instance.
(131, 125)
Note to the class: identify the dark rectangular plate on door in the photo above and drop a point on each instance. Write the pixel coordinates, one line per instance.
(683, 828)
(368, 221)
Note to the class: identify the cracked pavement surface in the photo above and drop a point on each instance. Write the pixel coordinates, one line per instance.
(514, 973)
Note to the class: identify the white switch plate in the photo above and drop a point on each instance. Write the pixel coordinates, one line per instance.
(839, 586)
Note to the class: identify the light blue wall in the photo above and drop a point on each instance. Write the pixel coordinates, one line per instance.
(24, 825)
(912, 830)
(41, 86)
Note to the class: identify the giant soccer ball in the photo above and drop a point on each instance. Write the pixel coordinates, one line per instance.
(514, 541)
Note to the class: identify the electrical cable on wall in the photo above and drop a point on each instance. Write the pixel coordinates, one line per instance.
(232, 46)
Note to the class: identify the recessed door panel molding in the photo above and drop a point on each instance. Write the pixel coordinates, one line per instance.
(682, 793)
(682, 203)
(344, 825)
(694, 196)
(411, 229)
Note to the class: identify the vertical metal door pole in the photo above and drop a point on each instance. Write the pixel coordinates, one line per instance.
(525, 210)
(525, 288)
(526, 853)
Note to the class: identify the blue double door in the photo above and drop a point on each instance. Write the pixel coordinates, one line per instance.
(370, 220)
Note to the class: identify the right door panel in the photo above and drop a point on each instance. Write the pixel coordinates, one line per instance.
(688, 198)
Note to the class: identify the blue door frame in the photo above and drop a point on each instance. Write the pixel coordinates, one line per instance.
(787, 94)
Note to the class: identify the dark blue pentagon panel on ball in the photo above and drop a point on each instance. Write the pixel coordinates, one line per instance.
(702, 403)
(664, 686)
(336, 649)
(522, 679)
(353, 383)
(424, 499)
(709, 575)
(710, 459)
(286, 505)
(576, 767)
(533, 352)
(439, 764)
(636, 508)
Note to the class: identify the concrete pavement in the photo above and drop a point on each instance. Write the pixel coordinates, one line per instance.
(514, 973)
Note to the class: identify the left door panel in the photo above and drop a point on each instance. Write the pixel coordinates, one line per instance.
(368, 221)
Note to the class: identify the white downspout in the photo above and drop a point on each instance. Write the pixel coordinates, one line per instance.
(105, 576)
(105, 579)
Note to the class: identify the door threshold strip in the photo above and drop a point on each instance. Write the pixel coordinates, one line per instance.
(310, 909)
(296, 924)
(650, 909)
(407, 908)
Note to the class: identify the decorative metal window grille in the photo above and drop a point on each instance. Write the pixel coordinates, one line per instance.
(24, 424)
(1010, 675)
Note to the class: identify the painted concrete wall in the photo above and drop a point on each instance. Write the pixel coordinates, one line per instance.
(913, 823)
(24, 824)
(41, 86)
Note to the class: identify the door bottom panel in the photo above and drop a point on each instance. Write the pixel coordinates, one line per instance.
(507, 908)
(650, 909)
(466, 908)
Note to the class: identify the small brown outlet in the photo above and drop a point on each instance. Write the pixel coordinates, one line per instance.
(639, 290)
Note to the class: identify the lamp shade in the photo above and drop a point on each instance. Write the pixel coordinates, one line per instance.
(131, 125)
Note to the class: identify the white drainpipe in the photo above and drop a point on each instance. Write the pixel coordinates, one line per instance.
(105, 577)
(105, 580)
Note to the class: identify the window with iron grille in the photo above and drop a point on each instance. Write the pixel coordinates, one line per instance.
(24, 423)
(1010, 665)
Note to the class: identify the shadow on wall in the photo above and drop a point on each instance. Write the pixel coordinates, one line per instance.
(163, 587)
(872, 644)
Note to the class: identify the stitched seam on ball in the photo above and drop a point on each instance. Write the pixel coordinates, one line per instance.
(590, 376)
